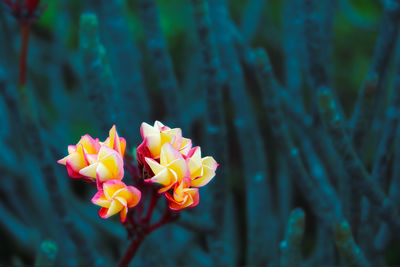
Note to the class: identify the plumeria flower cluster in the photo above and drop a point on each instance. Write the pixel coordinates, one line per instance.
(103, 163)
(174, 164)
(166, 159)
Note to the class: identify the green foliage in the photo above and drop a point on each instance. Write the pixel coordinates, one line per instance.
(47, 254)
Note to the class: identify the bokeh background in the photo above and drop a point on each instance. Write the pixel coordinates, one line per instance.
(148, 60)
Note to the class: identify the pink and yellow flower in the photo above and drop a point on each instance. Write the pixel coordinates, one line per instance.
(116, 197)
(154, 138)
(98, 160)
(171, 169)
(202, 170)
(166, 155)
(183, 196)
(115, 142)
(80, 155)
(107, 165)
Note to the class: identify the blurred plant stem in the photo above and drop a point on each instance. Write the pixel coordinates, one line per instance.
(38, 148)
(25, 31)
(47, 254)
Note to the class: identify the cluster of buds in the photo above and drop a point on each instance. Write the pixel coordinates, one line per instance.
(173, 163)
(165, 158)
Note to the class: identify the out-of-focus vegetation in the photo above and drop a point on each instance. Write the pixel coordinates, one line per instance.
(356, 28)
(57, 77)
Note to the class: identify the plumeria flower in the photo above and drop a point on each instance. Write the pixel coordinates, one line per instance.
(183, 196)
(80, 155)
(154, 137)
(171, 169)
(115, 142)
(106, 165)
(116, 197)
(202, 170)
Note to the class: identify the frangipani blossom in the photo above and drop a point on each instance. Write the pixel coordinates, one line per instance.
(202, 170)
(107, 165)
(183, 196)
(116, 197)
(171, 169)
(115, 142)
(154, 137)
(80, 155)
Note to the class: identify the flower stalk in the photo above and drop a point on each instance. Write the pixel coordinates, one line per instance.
(138, 232)
(25, 12)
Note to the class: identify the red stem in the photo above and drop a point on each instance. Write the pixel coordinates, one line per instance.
(141, 228)
(167, 217)
(130, 253)
(153, 202)
(140, 207)
(25, 30)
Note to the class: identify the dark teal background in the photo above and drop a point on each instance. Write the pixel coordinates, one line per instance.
(149, 65)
